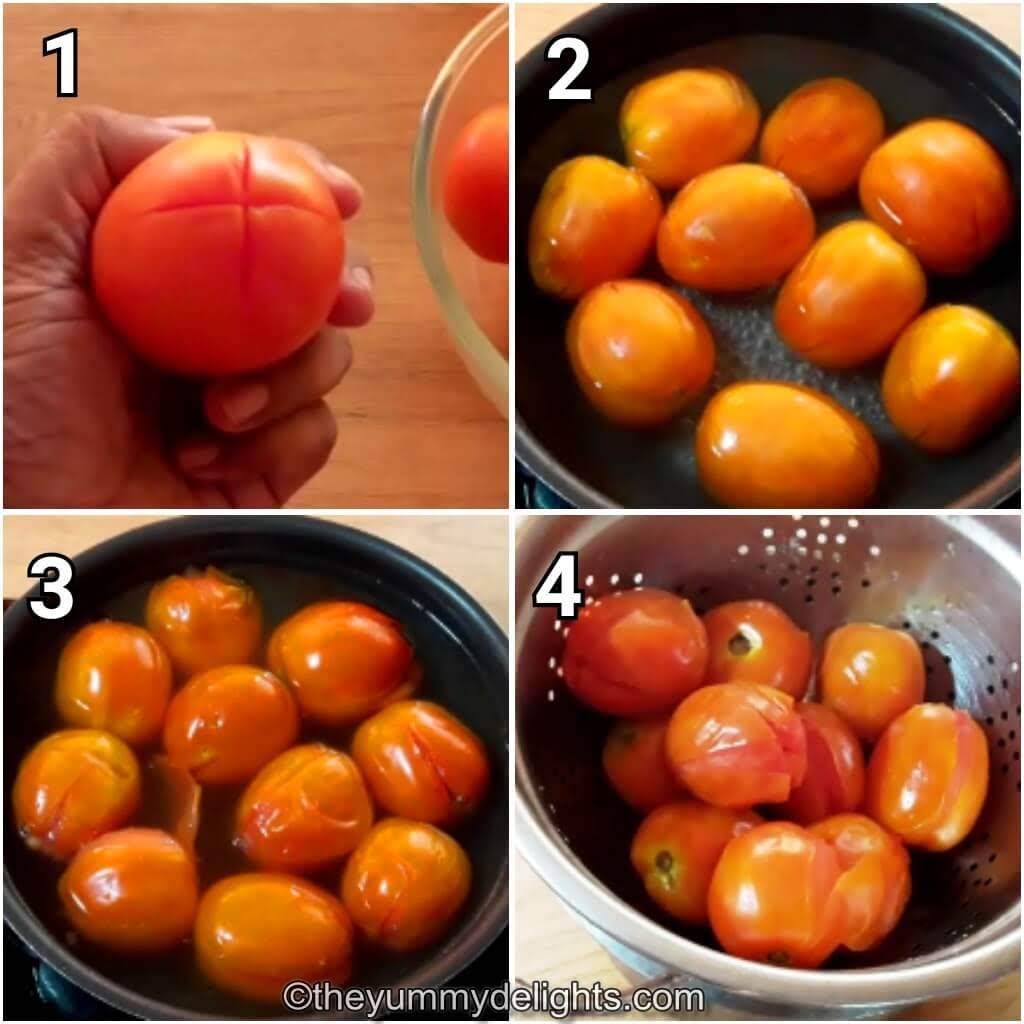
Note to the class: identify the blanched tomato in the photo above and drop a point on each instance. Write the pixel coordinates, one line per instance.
(636, 764)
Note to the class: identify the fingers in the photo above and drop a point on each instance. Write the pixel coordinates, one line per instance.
(354, 305)
(347, 192)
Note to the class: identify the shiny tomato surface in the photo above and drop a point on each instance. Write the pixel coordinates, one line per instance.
(220, 253)
(636, 765)
(635, 653)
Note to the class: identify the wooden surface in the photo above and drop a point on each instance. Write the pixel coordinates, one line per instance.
(471, 549)
(350, 79)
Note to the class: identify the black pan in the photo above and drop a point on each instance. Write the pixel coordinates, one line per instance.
(291, 561)
(918, 60)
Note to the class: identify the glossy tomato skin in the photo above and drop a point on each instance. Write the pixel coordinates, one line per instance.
(636, 765)
(114, 676)
(73, 786)
(675, 852)
(682, 124)
(205, 619)
(773, 445)
(344, 659)
(821, 135)
(953, 374)
(875, 883)
(773, 897)
(226, 723)
(640, 352)
(257, 932)
(848, 299)
(928, 776)
(734, 229)
(420, 762)
(737, 744)
(940, 189)
(405, 884)
(134, 891)
(219, 254)
(595, 221)
(635, 653)
(757, 642)
(870, 674)
(475, 185)
(834, 781)
(306, 809)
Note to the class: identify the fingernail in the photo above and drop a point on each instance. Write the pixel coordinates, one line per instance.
(362, 277)
(187, 122)
(342, 177)
(242, 403)
(198, 455)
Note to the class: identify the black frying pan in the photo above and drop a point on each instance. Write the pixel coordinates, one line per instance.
(918, 60)
(291, 562)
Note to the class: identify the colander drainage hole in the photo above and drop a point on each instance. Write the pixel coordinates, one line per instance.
(865, 583)
(784, 581)
(990, 659)
(990, 690)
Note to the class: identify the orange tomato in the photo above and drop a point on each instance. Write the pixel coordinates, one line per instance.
(821, 135)
(640, 352)
(773, 897)
(834, 781)
(635, 653)
(848, 299)
(757, 642)
(772, 445)
(595, 221)
(133, 891)
(682, 124)
(675, 852)
(636, 765)
(475, 186)
(737, 744)
(953, 374)
(114, 676)
(305, 809)
(225, 724)
(875, 883)
(404, 884)
(73, 786)
(220, 253)
(345, 660)
(869, 675)
(940, 189)
(735, 228)
(257, 932)
(205, 619)
(421, 762)
(928, 776)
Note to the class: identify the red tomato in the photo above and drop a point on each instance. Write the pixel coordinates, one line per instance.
(875, 883)
(221, 253)
(928, 776)
(421, 762)
(834, 781)
(476, 184)
(773, 897)
(675, 852)
(635, 653)
(737, 744)
(636, 765)
(757, 642)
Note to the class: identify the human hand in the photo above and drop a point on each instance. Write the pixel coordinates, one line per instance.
(86, 423)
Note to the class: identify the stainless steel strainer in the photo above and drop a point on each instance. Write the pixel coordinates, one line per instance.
(952, 581)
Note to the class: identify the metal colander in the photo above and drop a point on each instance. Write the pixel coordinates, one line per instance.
(951, 581)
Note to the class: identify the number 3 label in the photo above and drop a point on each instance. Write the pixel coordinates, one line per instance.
(569, 44)
(54, 573)
(559, 587)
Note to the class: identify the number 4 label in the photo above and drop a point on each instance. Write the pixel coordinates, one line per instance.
(54, 573)
(559, 587)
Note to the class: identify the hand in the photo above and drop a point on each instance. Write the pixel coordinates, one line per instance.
(86, 424)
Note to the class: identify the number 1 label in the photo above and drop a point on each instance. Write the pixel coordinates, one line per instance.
(65, 45)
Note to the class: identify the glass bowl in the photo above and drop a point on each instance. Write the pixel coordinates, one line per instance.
(473, 293)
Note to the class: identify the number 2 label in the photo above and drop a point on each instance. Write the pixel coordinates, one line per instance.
(559, 587)
(561, 89)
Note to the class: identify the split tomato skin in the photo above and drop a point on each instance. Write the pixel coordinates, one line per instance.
(757, 642)
(420, 762)
(737, 745)
(928, 776)
(256, 932)
(114, 676)
(635, 653)
(636, 765)
(405, 884)
(134, 891)
(73, 786)
(870, 674)
(675, 852)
